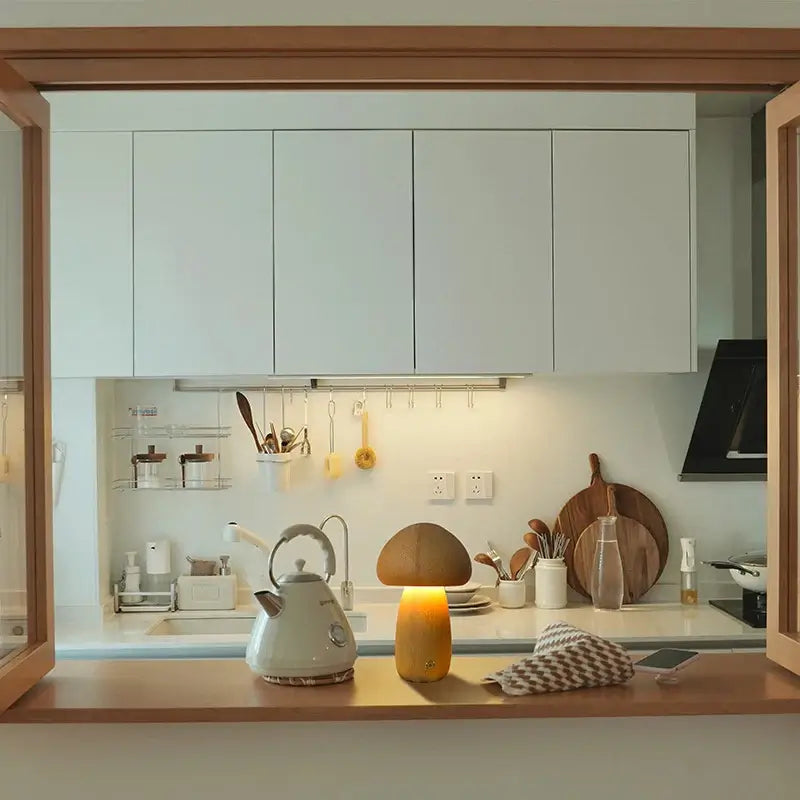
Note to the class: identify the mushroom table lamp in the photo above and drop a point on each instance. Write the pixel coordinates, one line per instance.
(423, 558)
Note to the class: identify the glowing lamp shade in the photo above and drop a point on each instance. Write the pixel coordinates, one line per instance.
(423, 558)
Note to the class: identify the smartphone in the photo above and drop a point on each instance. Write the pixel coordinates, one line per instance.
(665, 661)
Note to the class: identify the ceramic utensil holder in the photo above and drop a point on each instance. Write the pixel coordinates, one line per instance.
(275, 471)
(511, 594)
(551, 583)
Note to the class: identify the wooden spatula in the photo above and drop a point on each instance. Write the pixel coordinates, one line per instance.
(637, 548)
(519, 560)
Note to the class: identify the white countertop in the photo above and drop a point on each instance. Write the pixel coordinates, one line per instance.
(495, 630)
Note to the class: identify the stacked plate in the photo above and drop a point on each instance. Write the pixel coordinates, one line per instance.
(465, 599)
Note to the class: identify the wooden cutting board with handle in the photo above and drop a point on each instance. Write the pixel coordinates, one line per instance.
(637, 549)
(581, 510)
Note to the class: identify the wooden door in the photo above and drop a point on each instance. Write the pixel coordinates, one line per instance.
(92, 264)
(344, 271)
(26, 569)
(483, 255)
(202, 215)
(783, 379)
(622, 272)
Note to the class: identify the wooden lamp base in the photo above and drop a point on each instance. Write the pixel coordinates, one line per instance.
(423, 641)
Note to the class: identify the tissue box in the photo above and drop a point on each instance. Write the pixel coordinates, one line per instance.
(206, 592)
(565, 657)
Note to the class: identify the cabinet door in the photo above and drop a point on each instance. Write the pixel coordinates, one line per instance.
(622, 251)
(92, 255)
(483, 252)
(203, 253)
(344, 300)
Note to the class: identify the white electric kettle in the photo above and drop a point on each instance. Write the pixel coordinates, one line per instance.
(301, 635)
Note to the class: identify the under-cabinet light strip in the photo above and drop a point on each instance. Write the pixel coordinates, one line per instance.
(371, 384)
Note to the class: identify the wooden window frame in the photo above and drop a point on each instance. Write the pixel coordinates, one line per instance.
(435, 57)
(783, 617)
(27, 109)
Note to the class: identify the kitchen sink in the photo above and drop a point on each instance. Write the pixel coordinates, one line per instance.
(228, 626)
(203, 626)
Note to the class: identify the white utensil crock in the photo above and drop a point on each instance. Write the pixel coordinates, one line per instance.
(275, 471)
(551, 583)
(511, 594)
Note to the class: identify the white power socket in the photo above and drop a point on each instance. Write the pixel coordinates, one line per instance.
(480, 485)
(441, 486)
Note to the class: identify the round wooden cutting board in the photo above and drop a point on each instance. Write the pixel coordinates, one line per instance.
(581, 510)
(637, 549)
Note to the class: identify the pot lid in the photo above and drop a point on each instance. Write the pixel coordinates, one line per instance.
(149, 457)
(300, 576)
(197, 456)
(750, 559)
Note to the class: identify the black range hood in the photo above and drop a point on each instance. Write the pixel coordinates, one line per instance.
(729, 441)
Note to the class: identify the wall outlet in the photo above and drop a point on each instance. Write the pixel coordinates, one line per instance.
(441, 486)
(480, 485)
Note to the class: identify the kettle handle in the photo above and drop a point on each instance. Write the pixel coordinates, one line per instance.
(304, 529)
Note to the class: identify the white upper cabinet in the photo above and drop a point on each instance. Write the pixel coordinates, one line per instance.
(483, 252)
(203, 253)
(622, 226)
(343, 253)
(91, 273)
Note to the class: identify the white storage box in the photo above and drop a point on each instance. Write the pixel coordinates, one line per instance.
(206, 592)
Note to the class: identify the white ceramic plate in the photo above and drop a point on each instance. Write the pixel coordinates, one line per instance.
(475, 604)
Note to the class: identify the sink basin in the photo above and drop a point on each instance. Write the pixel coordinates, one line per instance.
(203, 626)
(228, 626)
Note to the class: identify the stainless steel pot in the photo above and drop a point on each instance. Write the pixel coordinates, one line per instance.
(748, 570)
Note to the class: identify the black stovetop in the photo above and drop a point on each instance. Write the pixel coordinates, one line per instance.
(750, 608)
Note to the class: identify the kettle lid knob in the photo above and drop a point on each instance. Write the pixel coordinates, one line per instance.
(300, 564)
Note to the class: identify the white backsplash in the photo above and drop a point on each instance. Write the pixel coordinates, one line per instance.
(535, 436)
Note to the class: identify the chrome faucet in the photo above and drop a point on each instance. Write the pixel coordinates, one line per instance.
(346, 588)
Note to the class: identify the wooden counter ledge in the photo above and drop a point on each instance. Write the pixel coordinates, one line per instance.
(226, 691)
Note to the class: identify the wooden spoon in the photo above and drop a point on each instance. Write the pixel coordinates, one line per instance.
(538, 526)
(483, 558)
(519, 560)
(247, 416)
(531, 540)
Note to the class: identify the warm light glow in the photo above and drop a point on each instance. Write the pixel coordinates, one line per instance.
(423, 642)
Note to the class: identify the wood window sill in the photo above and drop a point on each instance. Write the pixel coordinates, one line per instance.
(226, 691)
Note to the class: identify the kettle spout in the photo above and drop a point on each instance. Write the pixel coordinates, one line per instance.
(271, 603)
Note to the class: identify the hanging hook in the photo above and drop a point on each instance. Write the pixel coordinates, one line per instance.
(388, 396)
(283, 407)
(470, 397)
(438, 396)
(411, 398)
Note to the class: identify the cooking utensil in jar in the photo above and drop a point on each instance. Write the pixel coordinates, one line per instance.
(333, 462)
(531, 540)
(748, 570)
(637, 549)
(533, 558)
(287, 437)
(365, 457)
(247, 416)
(484, 558)
(539, 526)
(581, 510)
(518, 561)
(498, 562)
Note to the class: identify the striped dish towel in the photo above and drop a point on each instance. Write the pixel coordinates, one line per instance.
(565, 657)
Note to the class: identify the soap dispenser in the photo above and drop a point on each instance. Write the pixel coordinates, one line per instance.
(131, 579)
(688, 573)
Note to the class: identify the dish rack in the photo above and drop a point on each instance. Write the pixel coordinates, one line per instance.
(147, 604)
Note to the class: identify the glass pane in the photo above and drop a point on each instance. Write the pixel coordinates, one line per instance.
(13, 590)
